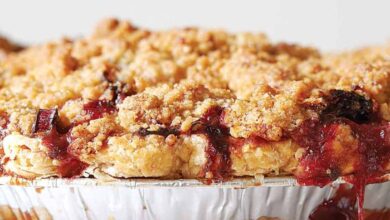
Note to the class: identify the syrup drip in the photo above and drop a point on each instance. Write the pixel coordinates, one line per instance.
(340, 207)
(343, 207)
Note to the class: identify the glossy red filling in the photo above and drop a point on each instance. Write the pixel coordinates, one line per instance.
(96, 109)
(217, 151)
(320, 165)
(55, 138)
(342, 206)
(45, 120)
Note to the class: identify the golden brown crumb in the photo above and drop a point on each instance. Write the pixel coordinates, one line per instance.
(7, 47)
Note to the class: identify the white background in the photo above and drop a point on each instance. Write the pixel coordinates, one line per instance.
(328, 24)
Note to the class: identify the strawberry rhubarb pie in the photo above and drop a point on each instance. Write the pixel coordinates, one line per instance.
(127, 102)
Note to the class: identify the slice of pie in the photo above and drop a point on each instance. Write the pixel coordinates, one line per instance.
(188, 103)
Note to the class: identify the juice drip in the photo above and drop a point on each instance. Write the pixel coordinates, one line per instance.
(342, 206)
(360, 186)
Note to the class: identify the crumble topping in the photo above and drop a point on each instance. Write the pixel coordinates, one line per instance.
(176, 105)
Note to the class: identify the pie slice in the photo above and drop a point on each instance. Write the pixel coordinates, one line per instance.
(127, 102)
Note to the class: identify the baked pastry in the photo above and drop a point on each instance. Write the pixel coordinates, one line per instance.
(188, 103)
(7, 47)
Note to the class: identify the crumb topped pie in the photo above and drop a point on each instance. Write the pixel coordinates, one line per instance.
(127, 102)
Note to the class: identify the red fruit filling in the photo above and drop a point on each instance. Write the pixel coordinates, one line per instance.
(96, 109)
(55, 138)
(320, 165)
(318, 162)
(341, 207)
(371, 155)
(217, 152)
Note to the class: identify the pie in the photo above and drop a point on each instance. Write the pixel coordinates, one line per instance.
(127, 102)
